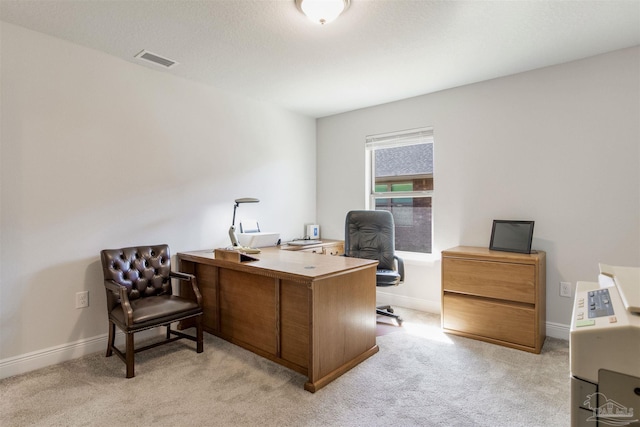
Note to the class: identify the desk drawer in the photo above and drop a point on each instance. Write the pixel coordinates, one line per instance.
(506, 281)
(317, 250)
(336, 248)
(502, 321)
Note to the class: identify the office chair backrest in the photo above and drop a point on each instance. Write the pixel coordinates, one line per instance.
(371, 235)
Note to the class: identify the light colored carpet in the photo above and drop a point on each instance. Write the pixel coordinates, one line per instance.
(420, 377)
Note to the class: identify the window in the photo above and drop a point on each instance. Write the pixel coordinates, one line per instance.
(400, 180)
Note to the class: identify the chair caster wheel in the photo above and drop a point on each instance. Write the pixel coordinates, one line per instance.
(390, 310)
(399, 321)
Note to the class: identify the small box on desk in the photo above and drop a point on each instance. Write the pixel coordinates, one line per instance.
(232, 255)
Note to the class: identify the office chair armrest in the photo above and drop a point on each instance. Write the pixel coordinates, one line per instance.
(400, 264)
(121, 292)
(194, 284)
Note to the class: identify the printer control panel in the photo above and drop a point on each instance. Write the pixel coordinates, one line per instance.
(599, 303)
(595, 303)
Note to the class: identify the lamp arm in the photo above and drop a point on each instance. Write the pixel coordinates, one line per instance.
(232, 229)
(233, 221)
(233, 237)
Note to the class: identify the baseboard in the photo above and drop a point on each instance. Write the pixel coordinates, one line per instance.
(555, 330)
(28, 362)
(408, 302)
(558, 330)
(53, 355)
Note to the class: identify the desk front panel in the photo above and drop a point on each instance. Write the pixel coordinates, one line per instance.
(294, 322)
(207, 280)
(208, 283)
(248, 309)
(267, 315)
(344, 319)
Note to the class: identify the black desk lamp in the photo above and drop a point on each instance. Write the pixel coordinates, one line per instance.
(232, 229)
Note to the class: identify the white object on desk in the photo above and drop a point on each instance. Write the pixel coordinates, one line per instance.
(313, 231)
(249, 226)
(258, 240)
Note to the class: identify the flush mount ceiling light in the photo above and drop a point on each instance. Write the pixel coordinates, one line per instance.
(322, 11)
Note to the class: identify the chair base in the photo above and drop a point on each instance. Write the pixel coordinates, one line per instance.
(386, 310)
(128, 355)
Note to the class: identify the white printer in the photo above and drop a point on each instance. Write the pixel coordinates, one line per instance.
(252, 237)
(605, 350)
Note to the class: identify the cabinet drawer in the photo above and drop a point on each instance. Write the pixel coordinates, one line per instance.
(491, 319)
(507, 281)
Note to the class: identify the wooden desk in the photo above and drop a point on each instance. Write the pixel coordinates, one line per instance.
(313, 314)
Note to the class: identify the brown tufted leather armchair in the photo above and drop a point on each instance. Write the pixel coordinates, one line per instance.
(139, 297)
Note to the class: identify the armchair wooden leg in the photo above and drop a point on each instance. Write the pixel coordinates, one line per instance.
(130, 356)
(199, 337)
(112, 337)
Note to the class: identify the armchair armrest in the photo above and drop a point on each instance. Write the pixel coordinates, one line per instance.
(194, 285)
(121, 292)
(400, 263)
(182, 276)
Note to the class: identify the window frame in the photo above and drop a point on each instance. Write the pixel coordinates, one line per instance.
(393, 140)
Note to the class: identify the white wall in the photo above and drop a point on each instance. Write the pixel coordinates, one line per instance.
(559, 145)
(101, 153)
(97, 152)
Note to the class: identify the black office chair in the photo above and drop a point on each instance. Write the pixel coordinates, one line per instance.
(371, 235)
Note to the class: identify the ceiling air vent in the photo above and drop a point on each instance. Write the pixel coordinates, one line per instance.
(156, 59)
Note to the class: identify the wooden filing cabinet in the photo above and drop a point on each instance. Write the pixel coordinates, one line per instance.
(495, 296)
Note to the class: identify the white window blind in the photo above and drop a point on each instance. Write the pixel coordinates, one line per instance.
(399, 139)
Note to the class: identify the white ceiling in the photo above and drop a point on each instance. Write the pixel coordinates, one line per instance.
(377, 51)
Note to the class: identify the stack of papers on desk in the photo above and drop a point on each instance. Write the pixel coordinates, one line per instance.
(304, 242)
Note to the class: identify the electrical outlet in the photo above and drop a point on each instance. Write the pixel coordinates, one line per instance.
(565, 289)
(82, 299)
